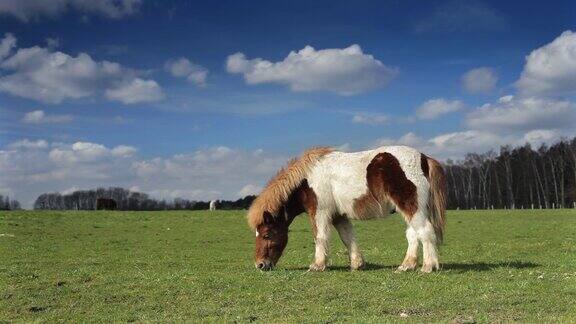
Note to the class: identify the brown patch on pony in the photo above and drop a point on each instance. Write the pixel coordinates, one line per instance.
(309, 203)
(386, 179)
(424, 165)
(366, 206)
(281, 186)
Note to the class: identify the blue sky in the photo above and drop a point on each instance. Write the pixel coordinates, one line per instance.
(202, 100)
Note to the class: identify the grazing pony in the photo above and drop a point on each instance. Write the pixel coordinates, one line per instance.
(333, 187)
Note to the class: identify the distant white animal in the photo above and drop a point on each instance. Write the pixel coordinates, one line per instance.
(213, 205)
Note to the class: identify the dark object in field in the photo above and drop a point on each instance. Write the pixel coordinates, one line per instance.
(105, 204)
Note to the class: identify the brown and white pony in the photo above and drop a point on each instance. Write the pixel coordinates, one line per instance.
(333, 187)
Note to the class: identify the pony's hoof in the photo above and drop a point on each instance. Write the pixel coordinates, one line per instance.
(406, 267)
(428, 268)
(356, 265)
(317, 267)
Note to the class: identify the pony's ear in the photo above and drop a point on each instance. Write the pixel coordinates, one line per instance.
(268, 218)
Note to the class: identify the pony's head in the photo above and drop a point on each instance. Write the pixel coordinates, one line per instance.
(281, 200)
(271, 239)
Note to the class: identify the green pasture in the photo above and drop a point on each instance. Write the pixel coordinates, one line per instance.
(191, 266)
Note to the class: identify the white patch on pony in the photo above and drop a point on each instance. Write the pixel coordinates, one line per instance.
(340, 178)
(257, 234)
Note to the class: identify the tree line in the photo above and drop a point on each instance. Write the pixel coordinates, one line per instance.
(128, 200)
(9, 204)
(515, 178)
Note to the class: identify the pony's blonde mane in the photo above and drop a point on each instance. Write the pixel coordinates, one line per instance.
(279, 188)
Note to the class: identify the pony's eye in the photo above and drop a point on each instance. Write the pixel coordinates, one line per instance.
(266, 236)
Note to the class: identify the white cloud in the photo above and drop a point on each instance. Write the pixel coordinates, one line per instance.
(346, 71)
(88, 152)
(27, 10)
(551, 69)
(78, 152)
(480, 80)
(249, 189)
(542, 136)
(28, 144)
(451, 145)
(51, 77)
(40, 117)
(183, 68)
(434, 108)
(472, 141)
(136, 91)
(408, 139)
(519, 114)
(370, 119)
(124, 150)
(6, 45)
(69, 190)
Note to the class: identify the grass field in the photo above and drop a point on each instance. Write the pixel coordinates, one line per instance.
(160, 266)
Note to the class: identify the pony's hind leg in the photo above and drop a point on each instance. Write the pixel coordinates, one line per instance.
(427, 236)
(411, 259)
(346, 232)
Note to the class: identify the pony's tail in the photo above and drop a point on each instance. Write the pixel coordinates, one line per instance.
(437, 198)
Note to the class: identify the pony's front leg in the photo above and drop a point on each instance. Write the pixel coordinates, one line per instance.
(346, 231)
(322, 221)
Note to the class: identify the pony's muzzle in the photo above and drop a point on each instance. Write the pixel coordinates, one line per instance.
(264, 265)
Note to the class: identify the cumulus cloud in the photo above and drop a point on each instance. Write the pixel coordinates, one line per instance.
(78, 152)
(136, 91)
(408, 139)
(462, 16)
(434, 108)
(183, 68)
(520, 114)
(370, 119)
(40, 117)
(86, 152)
(466, 141)
(551, 69)
(542, 136)
(346, 71)
(30, 168)
(28, 144)
(451, 145)
(51, 77)
(6, 45)
(124, 150)
(480, 80)
(27, 10)
(249, 189)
